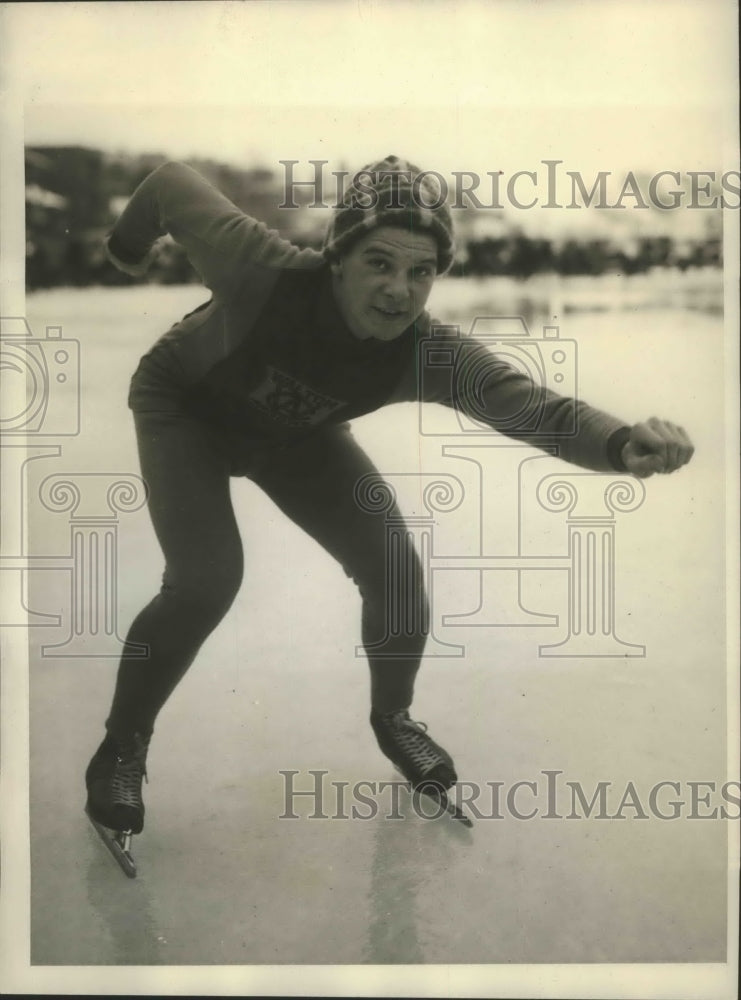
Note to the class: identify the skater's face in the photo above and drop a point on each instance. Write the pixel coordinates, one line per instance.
(381, 285)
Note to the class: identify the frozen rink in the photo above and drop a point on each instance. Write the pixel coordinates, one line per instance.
(222, 879)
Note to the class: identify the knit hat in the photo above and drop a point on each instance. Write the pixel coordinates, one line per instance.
(392, 192)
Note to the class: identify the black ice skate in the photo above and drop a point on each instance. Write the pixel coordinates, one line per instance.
(428, 767)
(114, 798)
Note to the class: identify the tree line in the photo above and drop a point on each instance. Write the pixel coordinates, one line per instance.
(74, 194)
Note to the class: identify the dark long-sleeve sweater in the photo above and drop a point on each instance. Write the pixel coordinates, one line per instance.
(270, 357)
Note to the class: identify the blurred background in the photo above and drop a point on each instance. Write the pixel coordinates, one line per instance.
(233, 89)
(74, 194)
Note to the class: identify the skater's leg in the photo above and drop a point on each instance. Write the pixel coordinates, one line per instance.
(187, 479)
(313, 483)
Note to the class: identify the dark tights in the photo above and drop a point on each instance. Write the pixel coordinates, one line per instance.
(187, 469)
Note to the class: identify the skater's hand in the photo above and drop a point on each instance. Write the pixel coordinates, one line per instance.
(656, 446)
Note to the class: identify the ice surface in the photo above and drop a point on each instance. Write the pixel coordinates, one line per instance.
(223, 880)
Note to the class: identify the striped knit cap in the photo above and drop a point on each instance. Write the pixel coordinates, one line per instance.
(392, 192)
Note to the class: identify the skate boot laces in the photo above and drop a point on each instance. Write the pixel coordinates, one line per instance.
(129, 769)
(406, 743)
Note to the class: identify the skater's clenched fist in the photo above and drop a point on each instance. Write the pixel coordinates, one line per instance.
(656, 446)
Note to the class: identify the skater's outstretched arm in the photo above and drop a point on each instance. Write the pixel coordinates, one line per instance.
(220, 240)
(487, 389)
(582, 434)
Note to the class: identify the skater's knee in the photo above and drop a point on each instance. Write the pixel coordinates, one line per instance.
(396, 583)
(208, 590)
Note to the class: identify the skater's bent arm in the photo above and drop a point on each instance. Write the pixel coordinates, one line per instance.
(219, 239)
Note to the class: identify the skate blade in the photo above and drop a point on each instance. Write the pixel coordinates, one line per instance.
(439, 795)
(118, 843)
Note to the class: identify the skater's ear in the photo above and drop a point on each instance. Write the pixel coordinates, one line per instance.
(335, 267)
